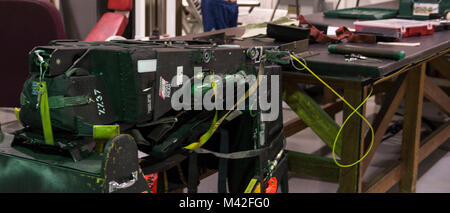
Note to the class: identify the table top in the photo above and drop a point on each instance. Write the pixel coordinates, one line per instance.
(334, 65)
(361, 70)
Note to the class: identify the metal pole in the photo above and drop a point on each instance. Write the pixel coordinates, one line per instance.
(275, 9)
(339, 2)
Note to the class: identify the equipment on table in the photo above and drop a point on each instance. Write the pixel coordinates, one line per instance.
(342, 33)
(442, 25)
(422, 9)
(400, 44)
(386, 35)
(362, 13)
(367, 51)
(407, 28)
(287, 33)
(356, 57)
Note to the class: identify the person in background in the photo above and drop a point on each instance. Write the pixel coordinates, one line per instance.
(219, 14)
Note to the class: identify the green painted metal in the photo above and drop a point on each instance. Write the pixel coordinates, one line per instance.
(361, 13)
(313, 115)
(24, 170)
(26, 175)
(2, 136)
(312, 165)
(30, 170)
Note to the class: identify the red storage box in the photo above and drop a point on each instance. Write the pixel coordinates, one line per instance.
(407, 28)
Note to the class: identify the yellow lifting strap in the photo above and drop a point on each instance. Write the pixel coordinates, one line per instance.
(45, 113)
(215, 124)
(253, 186)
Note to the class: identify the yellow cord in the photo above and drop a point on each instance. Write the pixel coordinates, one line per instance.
(343, 124)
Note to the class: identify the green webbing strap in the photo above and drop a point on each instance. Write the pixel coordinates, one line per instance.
(205, 137)
(23, 100)
(45, 113)
(214, 124)
(83, 128)
(56, 102)
(276, 56)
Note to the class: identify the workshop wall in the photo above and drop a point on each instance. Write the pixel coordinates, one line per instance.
(270, 4)
(80, 16)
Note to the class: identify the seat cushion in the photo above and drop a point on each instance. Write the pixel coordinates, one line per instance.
(110, 24)
(24, 24)
(120, 5)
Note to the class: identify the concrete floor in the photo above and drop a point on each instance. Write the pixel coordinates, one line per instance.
(434, 171)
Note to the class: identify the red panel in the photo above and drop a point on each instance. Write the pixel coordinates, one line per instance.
(109, 25)
(120, 5)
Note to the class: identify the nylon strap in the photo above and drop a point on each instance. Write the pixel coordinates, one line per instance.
(233, 155)
(83, 128)
(215, 124)
(240, 154)
(17, 113)
(45, 113)
(205, 137)
(56, 102)
(251, 185)
(193, 175)
(223, 163)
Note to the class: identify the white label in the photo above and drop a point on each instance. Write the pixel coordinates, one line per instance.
(164, 88)
(149, 103)
(100, 104)
(179, 75)
(425, 9)
(147, 65)
(331, 31)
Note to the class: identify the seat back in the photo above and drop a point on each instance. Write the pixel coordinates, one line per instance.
(24, 24)
(111, 23)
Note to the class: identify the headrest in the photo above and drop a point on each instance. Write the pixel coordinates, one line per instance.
(126, 5)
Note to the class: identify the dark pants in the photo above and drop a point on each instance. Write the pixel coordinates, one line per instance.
(219, 14)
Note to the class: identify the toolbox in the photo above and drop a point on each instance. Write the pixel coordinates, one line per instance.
(407, 28)
(422, 9)
(362, 13)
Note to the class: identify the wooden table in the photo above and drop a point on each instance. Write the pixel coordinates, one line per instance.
(355, 80)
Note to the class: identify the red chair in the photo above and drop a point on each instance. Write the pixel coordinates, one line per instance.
(24, 24)
(112, 23)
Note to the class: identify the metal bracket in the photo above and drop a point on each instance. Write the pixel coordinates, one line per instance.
(114, 186)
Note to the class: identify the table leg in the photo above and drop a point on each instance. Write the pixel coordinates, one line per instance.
(411, 128)
(275, 10)
(352, 143)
